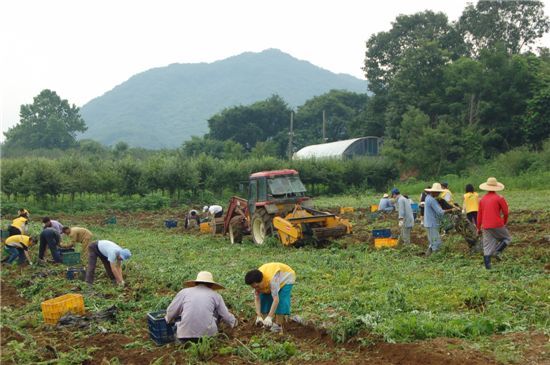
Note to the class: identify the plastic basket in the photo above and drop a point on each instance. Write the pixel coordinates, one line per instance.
(75, 273)
(171, 223)
(70, 258)
(344, 210)
(205, 227)
(414, 207)
(55, 308)
(160, 331)
(385, 242)
(4, 234)
(374, 208)
(111, 220)
(381, 233)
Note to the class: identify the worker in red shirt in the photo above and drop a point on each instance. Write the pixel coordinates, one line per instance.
(491, 219)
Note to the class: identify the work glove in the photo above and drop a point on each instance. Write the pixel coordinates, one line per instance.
(268, 321)
(400, 223)
(463, 211)
(259, 320)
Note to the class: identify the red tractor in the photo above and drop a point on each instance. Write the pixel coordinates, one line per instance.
(277, 204)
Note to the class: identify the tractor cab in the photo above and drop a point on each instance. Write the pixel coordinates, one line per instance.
(279, 187)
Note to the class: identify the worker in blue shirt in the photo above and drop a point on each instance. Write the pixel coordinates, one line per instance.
(432, 214)
(385, 204)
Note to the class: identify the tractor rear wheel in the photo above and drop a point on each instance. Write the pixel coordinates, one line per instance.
(261, 226)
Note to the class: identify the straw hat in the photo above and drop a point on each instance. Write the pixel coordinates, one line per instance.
(436, 187)
(204, 277)
(492, 185)
(385, 195)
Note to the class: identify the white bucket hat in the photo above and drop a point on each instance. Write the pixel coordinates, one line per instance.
(436, 187)
(492, 185)
(204, 277)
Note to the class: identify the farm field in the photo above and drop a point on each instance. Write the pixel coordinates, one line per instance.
(356, 305)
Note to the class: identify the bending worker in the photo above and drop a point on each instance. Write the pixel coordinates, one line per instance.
(79, 235)
(111, 255)
(272, 285)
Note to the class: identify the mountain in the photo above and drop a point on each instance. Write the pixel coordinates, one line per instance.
(165, 106)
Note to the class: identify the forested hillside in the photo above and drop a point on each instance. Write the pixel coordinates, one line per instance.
(162, 107)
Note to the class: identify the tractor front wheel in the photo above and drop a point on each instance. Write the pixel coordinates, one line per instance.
(236, 230)
(261, 226)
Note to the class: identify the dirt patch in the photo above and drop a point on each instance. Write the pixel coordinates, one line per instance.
(9, 296)
(433, 352)
(7, 335)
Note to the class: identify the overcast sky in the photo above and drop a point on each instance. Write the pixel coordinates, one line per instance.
(82, 49)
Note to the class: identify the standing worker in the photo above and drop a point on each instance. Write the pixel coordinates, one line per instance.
(491, 220)
(470, 206)
(446, 194)
(51, 238)
(200, 308)
(432, 214)
(111, 255)
(18, 247)
(406, 217)
(79, 235)
(272, 285)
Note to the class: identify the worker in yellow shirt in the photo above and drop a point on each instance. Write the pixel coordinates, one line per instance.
(19, 225)
(470, 205)
(272, 285)
(17, 246)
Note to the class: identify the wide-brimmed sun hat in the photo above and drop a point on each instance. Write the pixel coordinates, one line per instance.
(492, 185)
(206, 278)
(436, 187)
(385, 195)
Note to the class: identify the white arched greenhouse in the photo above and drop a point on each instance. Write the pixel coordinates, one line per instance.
(363, 146)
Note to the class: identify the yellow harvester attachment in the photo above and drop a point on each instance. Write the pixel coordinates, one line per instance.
(305, 223)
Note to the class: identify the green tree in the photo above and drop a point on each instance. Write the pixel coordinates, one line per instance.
(49, 122)
(385, 50)
(249, 124)
(340, 107)
(515, 24)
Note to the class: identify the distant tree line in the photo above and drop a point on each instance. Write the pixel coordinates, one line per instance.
(175, 175)
(446, 96)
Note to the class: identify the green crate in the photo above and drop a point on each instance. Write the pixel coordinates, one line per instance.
(5, 234)
(71, 258)
(110, 220)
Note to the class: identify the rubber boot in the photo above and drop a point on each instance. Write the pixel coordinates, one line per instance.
(487, 262)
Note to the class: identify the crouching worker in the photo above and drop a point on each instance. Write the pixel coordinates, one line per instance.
(192, 219)
(272, 285)
(111, 255)
(18, 247)
(200, 308)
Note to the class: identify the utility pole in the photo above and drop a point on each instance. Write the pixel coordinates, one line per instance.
(290, 135)
(324, 128)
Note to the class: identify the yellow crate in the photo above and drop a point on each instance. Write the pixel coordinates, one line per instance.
(205, 227)
(374, 208)
(55, 308)
(344, 210)
(385, 242)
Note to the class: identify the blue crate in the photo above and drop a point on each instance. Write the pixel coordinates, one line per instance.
(171, 223)
(76, 273)
(160, 331)
(414, 207)
(381, 233)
